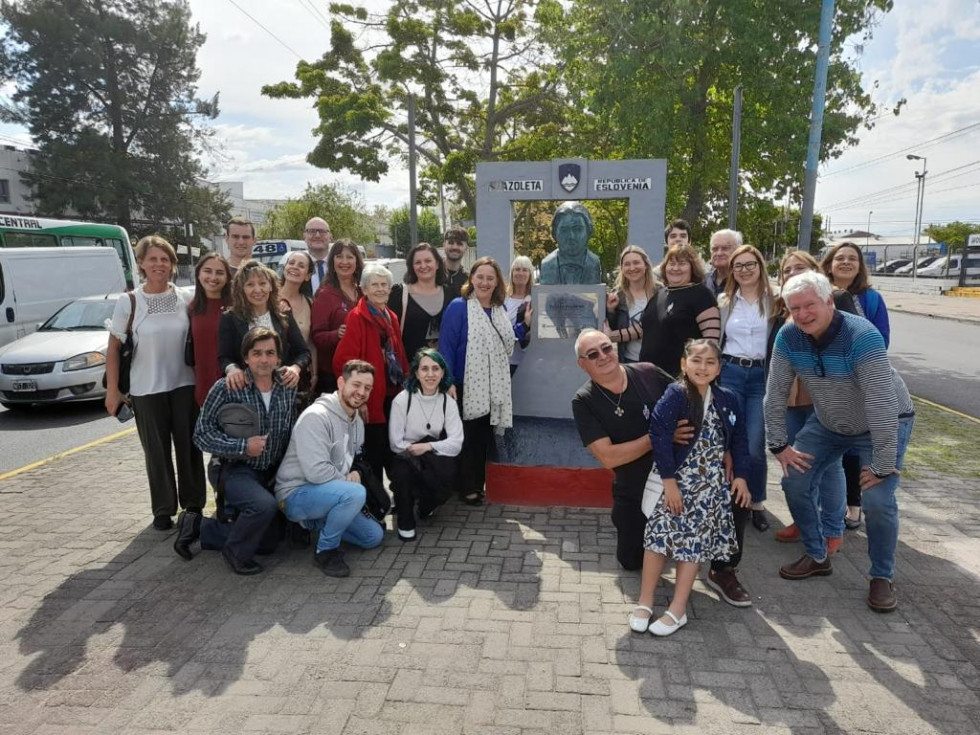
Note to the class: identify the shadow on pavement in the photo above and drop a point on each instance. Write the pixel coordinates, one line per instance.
(57, 416)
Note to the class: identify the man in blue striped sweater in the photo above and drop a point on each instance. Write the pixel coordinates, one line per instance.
(859, 402)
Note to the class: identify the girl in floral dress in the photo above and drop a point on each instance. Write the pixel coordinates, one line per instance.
(691, 522)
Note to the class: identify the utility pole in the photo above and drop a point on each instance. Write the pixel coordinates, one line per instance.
(816, 123)
(413, 219)
(733, 169)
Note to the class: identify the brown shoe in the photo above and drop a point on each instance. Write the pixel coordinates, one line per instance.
(881, 597)
(726, 584)
(805, 567)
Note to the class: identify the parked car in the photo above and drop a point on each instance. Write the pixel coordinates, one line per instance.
(892, 265)
(906, 270)
(939, 268)
(64, 360)
(397, 266)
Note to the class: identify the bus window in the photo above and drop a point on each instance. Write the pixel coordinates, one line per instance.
(29, 240)
(75, 241)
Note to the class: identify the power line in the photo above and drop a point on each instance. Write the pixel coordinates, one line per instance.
(874, 196)
(917, 146)
(252, 18)
(310, 7)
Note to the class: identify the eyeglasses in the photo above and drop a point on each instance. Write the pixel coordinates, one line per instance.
(593, 355)
(317, 231)
(750, 265)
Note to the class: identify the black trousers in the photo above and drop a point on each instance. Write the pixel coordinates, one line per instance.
(162, 420)
(741, 517)
(377, 449)
(630, 523)
(478, 446)
(852, 475)
(427, 481)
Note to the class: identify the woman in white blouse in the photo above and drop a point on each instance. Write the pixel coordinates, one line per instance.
(426, 436)
(161, 390)
(748, 328)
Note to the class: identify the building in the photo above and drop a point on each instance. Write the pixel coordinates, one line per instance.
(14, 195)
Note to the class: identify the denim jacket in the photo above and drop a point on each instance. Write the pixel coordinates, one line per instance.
(672, 407)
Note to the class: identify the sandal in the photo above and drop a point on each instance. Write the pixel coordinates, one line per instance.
(473, 499)
(662, 629)
(638, 624)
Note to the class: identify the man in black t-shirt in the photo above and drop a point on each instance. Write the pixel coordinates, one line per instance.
(612, 413)
(454, 245)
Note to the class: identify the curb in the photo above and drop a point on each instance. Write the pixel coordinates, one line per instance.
(66, 453)
(947, 317)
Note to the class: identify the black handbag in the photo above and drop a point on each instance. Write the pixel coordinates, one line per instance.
(377, 503)
(126, 350)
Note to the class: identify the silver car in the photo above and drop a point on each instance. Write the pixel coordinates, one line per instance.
(64, 360)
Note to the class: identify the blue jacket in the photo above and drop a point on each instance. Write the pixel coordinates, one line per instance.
(453, 332)
(875, 311)
(672, 407)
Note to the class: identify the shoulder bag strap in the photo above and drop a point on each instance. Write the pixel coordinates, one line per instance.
(404, 307)
(132, 313)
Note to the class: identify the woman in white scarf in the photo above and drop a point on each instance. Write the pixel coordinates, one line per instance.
(476, 339)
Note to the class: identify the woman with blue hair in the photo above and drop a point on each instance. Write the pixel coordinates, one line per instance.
(426, 436)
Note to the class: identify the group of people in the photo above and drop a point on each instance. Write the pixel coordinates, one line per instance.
(699, 374)
(306, 388)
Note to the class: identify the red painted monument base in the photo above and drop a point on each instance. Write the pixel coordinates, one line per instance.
(575, 487)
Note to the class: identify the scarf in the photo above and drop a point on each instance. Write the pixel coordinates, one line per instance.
(393, 369)
(486, 381)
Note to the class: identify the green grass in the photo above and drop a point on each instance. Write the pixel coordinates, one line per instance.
(942, 442)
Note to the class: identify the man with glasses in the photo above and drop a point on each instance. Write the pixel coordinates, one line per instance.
(612, 413)
(317, 237)
(723, 244)
(859, 402)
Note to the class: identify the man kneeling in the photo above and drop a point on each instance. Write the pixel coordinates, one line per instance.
(316, 486)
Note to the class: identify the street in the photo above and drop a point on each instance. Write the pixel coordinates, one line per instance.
(28, 435)
(939, 359)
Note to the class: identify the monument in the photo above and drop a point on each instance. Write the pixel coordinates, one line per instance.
(541, 461)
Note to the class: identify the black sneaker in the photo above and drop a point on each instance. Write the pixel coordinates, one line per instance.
(163, 523)
(331, 563)
(245, 568)
(188, 531)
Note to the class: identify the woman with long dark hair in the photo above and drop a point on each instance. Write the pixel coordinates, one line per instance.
(255, 303)
(420, 301)
(333, 301)
(426, 436)
(296, 297)
(212, 295)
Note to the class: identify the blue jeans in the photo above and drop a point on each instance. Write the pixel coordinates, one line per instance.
(749, 386)
(256, 508)
(334, 510)
(879, 503)
(831, 485)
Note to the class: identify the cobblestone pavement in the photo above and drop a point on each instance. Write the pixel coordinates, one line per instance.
(497, 621)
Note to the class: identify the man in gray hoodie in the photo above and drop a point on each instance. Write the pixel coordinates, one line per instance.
(315, 485)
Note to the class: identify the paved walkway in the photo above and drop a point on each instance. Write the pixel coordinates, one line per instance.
(497, 621)
(941, 307)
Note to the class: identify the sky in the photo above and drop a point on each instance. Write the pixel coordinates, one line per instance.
(924, 52)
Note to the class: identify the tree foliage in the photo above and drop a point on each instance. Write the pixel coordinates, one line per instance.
(107, 89)
(343, 210)
(473, 70)
(657, 80)
(954, 234)
(401, 230)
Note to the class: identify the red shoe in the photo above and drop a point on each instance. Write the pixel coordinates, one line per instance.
(833, 544)
(789, 534)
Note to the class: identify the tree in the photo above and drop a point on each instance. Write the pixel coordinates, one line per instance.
(343, 210)
(954, 234)
(657, 80)
(473, 69)
(401, 230)
(107, 89)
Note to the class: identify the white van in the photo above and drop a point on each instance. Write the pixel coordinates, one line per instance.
(940, 268)
(36, 282)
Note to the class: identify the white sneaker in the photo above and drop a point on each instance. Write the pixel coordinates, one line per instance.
(406, 535)
(662, 629)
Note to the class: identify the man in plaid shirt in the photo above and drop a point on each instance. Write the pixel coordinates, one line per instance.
(249, 464)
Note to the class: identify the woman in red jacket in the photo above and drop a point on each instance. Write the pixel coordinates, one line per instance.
(335, 298)
(372, 334)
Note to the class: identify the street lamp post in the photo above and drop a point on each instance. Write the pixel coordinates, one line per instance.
(867, 232)
(920, 195)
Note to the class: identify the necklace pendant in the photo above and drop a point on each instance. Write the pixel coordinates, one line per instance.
(427, 427)
(619, 411)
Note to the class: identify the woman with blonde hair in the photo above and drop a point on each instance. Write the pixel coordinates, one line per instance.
(518, 303)
(161, 384)
(684, 308)
(255, 302)
(749, 325)
(634, 287)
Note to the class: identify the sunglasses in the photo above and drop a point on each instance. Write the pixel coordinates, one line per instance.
(593, 355)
